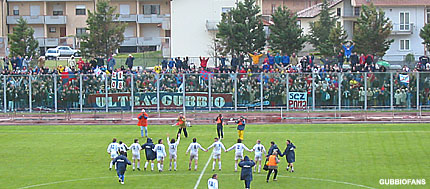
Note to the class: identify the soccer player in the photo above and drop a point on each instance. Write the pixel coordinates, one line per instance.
(241, 127)
(217, 145)
(290, 155)
(239, 147)
(161, 154)
(135, 150)
(213, 182)
(173, 150)
(219, 125)
(121, 163)
(143, 122)
(182, 126)
(122, 147)
(194, 154)
(259, 150)
(112, 149)
(150, 154)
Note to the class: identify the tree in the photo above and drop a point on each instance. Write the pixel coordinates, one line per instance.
(22, 41)
(425, 35)
(320, 31)
(372, 31)
(337, 37)
(285, 35)
(105, 35)
(241, 29)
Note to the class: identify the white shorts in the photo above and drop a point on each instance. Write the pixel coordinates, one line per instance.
(238, 157)
(113, 155)
(136, 156)
(216, 156)
(159, 158)
(258, 157)
(194, 156)
(173, 156)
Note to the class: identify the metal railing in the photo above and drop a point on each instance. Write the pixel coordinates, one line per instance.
(287, 92)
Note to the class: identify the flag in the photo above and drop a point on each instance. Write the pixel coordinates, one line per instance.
(404, 78)
(66, 77)
(205, 74)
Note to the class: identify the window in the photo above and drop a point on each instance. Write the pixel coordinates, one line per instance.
(404, 45)
(225, 9)
(57, 10)
(52, 29)
(404, 21)
(338, 11)
(15, 10)
(356, 11)
(151, 9)
(81, 31)
(80, 10)
(273, 8)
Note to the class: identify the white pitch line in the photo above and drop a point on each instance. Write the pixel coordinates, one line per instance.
(203, 171)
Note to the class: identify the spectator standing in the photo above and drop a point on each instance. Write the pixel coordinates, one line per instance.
(294, 60)
(203, 62)
(164, 64)
(255, 58)
(348, 50)
(130, 61)
(71, 62)
(111, 63)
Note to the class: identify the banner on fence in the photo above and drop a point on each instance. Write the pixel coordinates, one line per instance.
(404, 78)
(297, 100)
(172, 100)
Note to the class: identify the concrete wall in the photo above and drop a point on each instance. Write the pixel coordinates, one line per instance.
(190, 36)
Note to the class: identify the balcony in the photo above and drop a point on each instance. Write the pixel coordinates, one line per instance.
(126, 18)
(48, 42)
(148, 41)
(211, 25)
(29, 19)
(152, 18)
(55, 19)
(350, 15)
(402, 29)
(129, 41)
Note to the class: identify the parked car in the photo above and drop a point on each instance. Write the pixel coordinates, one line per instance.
(52, 54)
(65, 51)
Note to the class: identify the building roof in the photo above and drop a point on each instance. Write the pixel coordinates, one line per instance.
(315, 10)
(391, 2)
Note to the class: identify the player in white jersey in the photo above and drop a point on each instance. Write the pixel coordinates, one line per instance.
(135, 150)
(213, 182)
(161, 154)
(173, 149)
(112, 149)
(194, 154)
(122, 147)
(238, 147)
(259, 150)
(218, 146)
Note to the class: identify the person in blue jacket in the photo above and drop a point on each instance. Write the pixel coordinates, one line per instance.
(271, 59)
(285, 60)
(348, 50)
(290, 155)
(278, 59)
(171, 63)
(246, 173)
(121, 166)
(150, 153)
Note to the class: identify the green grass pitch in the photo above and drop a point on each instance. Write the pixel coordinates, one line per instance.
(327, 156)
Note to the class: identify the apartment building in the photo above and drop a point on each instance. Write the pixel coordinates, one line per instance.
(269, 6)
(59, 22)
